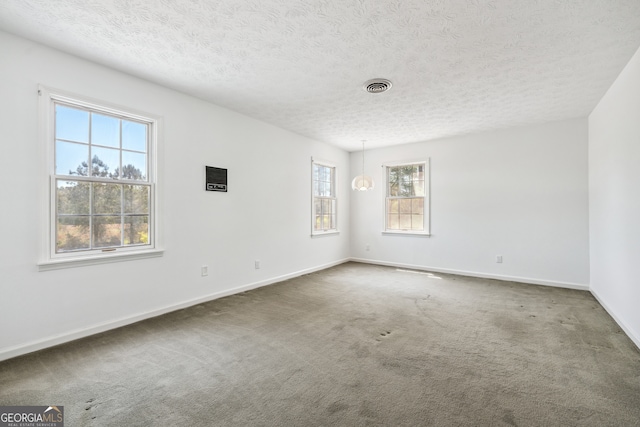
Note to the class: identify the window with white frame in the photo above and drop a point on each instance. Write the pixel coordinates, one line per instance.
(324, 205)
(101, 179)
(407, 201)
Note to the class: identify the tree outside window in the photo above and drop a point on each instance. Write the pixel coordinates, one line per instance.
(405, 198)
(102, 188)
(324, 214)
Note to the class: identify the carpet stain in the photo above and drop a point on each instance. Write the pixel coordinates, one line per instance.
(360, 350)
(367, 410)
(509, 418)
(337, 407)
(91, 404)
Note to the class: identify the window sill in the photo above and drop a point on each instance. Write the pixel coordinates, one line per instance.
(407, 233)
(58, 264)
(325, 233)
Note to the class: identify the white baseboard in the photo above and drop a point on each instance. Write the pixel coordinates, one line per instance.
(627, 330)
(476, 274)
(19, 350)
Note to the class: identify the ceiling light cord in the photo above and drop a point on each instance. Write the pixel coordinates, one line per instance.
(362, 158)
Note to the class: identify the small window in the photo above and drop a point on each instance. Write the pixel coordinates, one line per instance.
(406, 201)
(102, 186)
(324, 205)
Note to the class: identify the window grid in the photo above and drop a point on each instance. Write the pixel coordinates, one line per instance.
(324, 198)
(405, 198)
(123, 220)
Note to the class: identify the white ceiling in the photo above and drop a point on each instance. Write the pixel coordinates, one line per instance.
(457, 66)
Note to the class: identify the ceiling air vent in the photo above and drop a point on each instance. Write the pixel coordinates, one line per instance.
(377, 85)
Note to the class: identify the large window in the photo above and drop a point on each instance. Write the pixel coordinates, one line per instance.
(324, 205)
(406, 201)
(102, 186)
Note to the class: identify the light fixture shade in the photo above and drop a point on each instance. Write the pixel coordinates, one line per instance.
(362, 183)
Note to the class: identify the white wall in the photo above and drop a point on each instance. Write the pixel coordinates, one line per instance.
(614, 199)
(520, 193)
(265, 215)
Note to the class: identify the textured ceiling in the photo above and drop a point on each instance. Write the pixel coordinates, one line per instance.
(457, 66)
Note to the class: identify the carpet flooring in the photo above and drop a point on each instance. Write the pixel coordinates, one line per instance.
(353, 345)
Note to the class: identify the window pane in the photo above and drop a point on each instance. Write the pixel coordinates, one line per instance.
(134, 165)
(405, 222)
(418, 188)
(134, 136)
(326, 222)
(327, 189)
(333, 207)
(72, 233)
(326, 206)
(417, 206)
(393, 182)
(406, 182)
(136, 199)
(72, 197)
(417, 222)
(317, 225)
(392, 206)
(71, 159)
(107, 231)
(136, 230)
(405, 205)
(107, 198)
(105, 162)
(105, 130)
(72, 124)
(393, 222)
(406, 189)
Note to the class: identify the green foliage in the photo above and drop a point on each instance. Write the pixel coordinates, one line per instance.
(101, 169)
(114, 207)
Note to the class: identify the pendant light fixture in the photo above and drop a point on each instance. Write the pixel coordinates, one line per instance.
(362, 182)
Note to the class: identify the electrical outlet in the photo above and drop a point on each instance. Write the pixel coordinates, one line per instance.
(257, 264)
(499, 259)
(204, 270)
